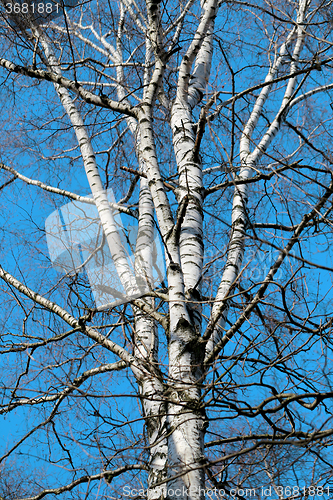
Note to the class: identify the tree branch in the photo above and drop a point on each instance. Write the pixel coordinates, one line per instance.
(64, 82)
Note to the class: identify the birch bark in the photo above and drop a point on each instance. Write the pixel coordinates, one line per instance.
(117, 250)
(186, 419)
(249, 161)
(145, 337)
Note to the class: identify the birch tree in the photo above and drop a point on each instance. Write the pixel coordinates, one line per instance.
(179, 155)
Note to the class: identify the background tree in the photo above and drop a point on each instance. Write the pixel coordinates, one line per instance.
(210, 122)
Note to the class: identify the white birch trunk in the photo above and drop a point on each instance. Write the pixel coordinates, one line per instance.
(112, 236)
(153, 403)
(145, 331)
(145, 337)
(146, 348)
(186, 420)
(240, 201)
(185, 423)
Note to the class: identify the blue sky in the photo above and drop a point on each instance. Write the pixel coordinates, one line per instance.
(37, 140)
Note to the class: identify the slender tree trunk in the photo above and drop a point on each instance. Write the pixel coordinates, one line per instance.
(146, 348)
(186, 419)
